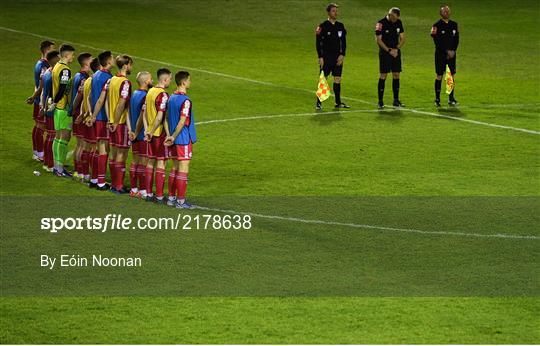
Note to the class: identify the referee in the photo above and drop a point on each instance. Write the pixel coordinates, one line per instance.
(390, 38)
(446, 38)
(331, 44)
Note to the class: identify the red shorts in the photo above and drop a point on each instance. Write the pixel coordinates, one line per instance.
(37, 114)
(76, 128)
(101, 130)
(90, 133)
(140, 148)
(156, 147)
(49, 124)
(120, 138)
(181, 152)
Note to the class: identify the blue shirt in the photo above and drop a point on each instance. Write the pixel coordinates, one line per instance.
(47, 91)
(41, 66)
(180, 106)
(135, 107)
(99, 80)
(79, 77)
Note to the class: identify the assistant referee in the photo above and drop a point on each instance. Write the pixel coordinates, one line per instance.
(331, 44)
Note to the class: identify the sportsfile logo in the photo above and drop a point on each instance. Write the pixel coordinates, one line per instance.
(114, 222)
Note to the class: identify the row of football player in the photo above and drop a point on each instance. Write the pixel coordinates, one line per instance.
(107, 118)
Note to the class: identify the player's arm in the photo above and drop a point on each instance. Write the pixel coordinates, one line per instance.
(185, 112)
(36, 93)
(78, 100)
(343, 46)
(378, 37)
(402, 37)
(125, 92)
(319, 45)
(456, 41)
(65, 77)
(101, 100)
(402, 40)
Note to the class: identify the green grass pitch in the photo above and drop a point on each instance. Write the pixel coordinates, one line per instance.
(450, 172)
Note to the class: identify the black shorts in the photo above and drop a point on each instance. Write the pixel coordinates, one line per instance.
(441, 61)
(330, 66)
(388, 63)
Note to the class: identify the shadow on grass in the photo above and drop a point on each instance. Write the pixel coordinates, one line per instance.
(452, 111)
(390, 114)
(323, 118)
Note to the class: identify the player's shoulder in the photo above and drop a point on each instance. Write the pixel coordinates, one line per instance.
(383, 20)
(452, 22)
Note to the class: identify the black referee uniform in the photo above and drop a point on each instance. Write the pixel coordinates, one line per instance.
(331, 42)
(446, 38)
(390, 35)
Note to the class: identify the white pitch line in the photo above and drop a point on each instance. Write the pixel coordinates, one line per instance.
(475, 122)
(379, 228)
(270, 116)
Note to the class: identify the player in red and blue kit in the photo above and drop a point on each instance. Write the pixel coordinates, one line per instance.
(84, 60)
(46, 95)
(139, 146)
(180, 141)
(99, 118)
(39, 121)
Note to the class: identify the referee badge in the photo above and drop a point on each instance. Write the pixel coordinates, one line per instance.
(339, 33)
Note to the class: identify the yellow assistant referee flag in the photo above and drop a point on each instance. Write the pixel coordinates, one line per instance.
(323, 92)
(449, 81)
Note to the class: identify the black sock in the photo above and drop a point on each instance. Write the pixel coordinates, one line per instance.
(318, 101)
(337, 92)
(380, 89)
(395, 88)
(451, 96)
(438, 84)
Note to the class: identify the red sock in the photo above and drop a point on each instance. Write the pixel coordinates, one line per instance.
(120, 175)
(172, 182)
(34, 138)
(141, 177)
(133, 175)
(160, 181)
(149, 177)
(102, 168)
(48, 155)
(84, 162)
(112, 170)
(39, 140)
(95, 159)
(181, 185)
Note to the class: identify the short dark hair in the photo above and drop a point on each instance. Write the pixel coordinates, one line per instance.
(163, 71)
(66, 48)
(181, 76)
(83, 57)
(95, 65)
(331, 6)
(122, 60)
(44, 45)
(52, 54)
(103, 57)
(396, 11)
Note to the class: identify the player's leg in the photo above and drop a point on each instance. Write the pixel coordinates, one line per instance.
(102, 164)
(336, 73)
(112, 159)
(182, 176)
(396, 71)
(171, 190)
(133, 174)
(149, 170)
(384, 69)
(440, 66)
(452, 66)
(120, 159)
